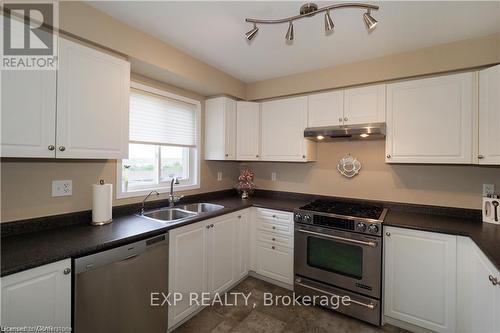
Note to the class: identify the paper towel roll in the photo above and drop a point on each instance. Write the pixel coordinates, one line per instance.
(102, 203)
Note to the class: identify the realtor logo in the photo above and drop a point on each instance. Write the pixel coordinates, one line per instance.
(29, 42)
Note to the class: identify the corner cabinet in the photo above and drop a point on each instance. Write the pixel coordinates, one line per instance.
(247, 131)
(38, 297)
(283, 124)
(420, 278)
(489, 116)
(79, 111)
(220, 129)
(431, 120)
(205, 257)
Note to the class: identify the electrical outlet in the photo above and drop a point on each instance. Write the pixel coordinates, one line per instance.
(273, 176)
(61, 188)
(488, 189)
(219, 176)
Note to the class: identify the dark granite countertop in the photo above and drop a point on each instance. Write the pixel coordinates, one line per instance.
(31, 249)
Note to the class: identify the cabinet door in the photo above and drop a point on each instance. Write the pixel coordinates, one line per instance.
(420, 278)
(430, 120)
(92, 103)
(187, 271)
(28, 116)
(220, 129)
(283, 124)
(489, 115)
(478, 302)
(241, 246)
(364, 105)
(38, 296)
(275, 262)
(247, 131)
(221, 253)
(326, 109)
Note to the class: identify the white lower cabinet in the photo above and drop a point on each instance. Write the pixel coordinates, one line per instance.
(204, 258)
(478, 299)
(38, 296)
(273, 244)
(420, 278)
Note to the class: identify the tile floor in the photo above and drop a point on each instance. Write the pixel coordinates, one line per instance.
(275, 319)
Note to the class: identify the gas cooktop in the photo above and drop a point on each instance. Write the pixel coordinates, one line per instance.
(345, 208)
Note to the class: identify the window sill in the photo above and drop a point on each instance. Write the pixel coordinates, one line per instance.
(143, 192)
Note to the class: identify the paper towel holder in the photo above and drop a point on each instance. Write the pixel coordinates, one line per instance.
(96, 219)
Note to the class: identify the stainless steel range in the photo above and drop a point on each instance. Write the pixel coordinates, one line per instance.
(338, 251)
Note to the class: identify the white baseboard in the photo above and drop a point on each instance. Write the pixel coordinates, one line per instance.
(406, 326)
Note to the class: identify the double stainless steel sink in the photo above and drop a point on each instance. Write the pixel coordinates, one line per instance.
(181, 213)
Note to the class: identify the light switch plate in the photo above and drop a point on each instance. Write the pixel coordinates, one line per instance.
(219, 176)
(61, 188)
(273, 176)
(488, 189)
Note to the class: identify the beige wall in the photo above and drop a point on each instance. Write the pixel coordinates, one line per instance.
(441, 58)
(186, 71)
(26, 184)
(442, 185)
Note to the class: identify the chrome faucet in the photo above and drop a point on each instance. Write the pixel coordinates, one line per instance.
(172, 199)
(146, 198)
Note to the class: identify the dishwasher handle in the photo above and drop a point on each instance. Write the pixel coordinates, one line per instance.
(121, 253)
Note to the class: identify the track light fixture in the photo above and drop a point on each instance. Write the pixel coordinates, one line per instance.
(328, 22)
(311, 9)
(289, 32)
(369, 20)
(251, 34)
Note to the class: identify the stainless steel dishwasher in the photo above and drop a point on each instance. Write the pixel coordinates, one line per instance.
(113, 288)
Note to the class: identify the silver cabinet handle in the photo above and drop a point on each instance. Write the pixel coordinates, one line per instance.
(211, 226)
(227, 155)
(274, 227)
(387, 234)
(208, 226)
(348, 240)
(256, 155)
(273, 247)
(340, 119)
(369, 306)
(303, 156)
(346, 119)
(274, 239)
(67, 271)
(62, 148)
(388, 156)
(493, 280)
(239, 216)
(480, 157)
(51, 147)
(274, 216)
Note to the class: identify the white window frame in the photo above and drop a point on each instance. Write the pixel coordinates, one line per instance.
(161, 188)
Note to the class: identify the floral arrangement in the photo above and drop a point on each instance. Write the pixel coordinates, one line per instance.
(245, 183)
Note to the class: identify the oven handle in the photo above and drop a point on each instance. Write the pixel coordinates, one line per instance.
(369, 305)
(370, 244)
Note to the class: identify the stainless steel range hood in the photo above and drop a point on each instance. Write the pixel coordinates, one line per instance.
(350, 132)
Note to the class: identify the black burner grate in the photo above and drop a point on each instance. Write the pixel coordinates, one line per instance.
(345, 208)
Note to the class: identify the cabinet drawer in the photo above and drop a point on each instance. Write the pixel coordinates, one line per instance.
(274, 215)
(273, 227)
(273, 239)
(275, 262)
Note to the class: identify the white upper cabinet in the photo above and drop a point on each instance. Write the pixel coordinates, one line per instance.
(326, 109)
(489, 115)
(220, 129)
(478, 299)
(247, 131)
(283, 124)
(28, 113)
(431, 120)
(364, 105)
(420, 278)
(92, 103)
(91, 96)
(38, 297)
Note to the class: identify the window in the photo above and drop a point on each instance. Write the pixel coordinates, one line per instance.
(164, 134)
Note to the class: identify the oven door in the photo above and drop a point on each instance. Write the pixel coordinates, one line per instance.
(344, 259)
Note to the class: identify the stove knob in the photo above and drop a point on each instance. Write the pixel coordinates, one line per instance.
(373, 229)
(361, 227)
(307, 218)
(298, 217)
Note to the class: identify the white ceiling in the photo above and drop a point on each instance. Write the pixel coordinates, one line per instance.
(214, 31)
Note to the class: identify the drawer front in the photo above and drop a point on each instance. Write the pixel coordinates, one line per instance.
(274, 239)
(275, 215)
(274, 227)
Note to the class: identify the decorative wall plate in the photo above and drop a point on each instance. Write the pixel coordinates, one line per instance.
(349, 166)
